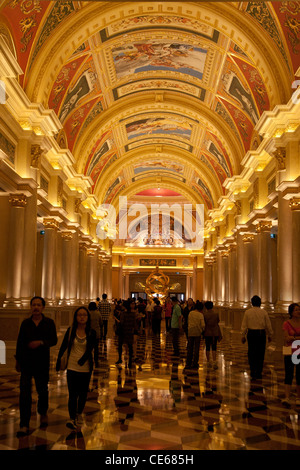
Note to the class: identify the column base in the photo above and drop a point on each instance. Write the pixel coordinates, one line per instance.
(12, 303)
(282, 306)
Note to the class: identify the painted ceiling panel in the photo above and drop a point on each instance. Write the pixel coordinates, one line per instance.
(171, 90)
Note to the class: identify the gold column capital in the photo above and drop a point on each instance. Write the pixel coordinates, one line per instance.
(248, 237)
(294, 204)
(18, 200)
(67, 236)
(50, 222)
(264, 226)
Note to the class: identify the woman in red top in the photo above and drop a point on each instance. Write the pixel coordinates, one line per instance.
(291, 330)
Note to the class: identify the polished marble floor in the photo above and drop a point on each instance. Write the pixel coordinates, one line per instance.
(159, 406)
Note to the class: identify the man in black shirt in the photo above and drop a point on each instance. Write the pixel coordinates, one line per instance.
(37, 334)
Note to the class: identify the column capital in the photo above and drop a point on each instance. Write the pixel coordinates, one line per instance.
(91, 251)
(67, 235)
(294, 204)
(18, 200)
(248, 237)
(50, 222)
(264, 226)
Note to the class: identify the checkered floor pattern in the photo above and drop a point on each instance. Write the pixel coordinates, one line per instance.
(157, 405)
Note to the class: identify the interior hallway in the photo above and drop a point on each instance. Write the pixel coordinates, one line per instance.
(157, 406)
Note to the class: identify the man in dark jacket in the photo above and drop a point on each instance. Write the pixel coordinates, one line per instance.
(37, 334)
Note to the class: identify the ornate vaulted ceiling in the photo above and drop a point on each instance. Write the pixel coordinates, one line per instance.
(156, 93)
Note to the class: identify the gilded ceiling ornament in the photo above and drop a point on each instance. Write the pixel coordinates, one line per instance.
(36, 153)
(26, 25)
(77, 204)
(280, 155)
(260, 12)
(294, 29)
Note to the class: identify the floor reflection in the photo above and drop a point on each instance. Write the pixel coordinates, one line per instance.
(159, 404)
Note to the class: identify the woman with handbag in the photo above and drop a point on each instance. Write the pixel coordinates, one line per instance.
(78, 344)
(291, 330)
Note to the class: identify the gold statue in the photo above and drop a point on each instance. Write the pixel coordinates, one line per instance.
(157, 285)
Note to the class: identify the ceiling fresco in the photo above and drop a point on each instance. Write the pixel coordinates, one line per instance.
(159, 90)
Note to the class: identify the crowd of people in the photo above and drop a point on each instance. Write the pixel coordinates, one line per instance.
(78, 352)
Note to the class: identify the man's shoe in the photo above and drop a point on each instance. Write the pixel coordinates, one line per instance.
(43, 421)
(80, 420)
(71, 424)
(23, 431)
(118, 362)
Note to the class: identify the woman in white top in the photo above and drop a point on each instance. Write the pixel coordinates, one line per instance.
(80, 340)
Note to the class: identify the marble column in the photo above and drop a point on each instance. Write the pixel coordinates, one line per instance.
(263, 230)
(82, 273)
(295, 208)
(29, 270)
(232, 269)
(284, 255)
(126, 287)
(92, 285)
(188, 287)
(100, 276)
(66, 267)
(16, 249)
(225, 277)
(240, 271)
(248, 268)
(74, 262)
(49, 260)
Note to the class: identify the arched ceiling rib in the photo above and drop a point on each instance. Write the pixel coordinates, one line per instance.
(156, 90)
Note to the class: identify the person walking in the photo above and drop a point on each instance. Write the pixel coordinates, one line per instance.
(196, 327)
(156, 317)
(212, 333)
(36, 336)
(190, 305)
(256, 326)
(127, 329)
(176, 325)
(80, 341)
(105, 310)
(168, 308)
(96, 320)
(291, 330)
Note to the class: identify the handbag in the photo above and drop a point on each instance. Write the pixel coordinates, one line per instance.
(287, 350)
(64, 358)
